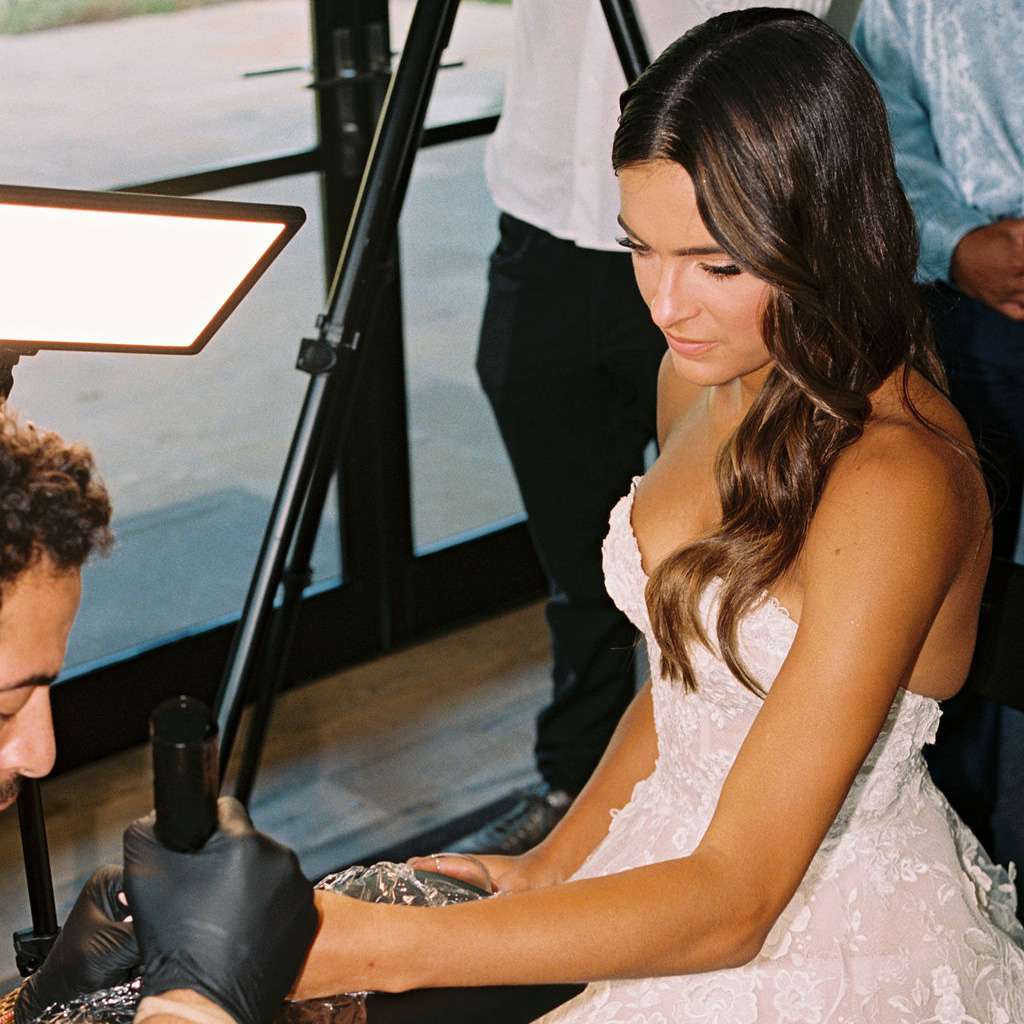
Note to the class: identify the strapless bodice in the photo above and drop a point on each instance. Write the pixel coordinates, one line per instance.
(703, 731)
(901, 916)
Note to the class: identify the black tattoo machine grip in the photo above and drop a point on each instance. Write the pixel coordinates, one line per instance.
(183, 737)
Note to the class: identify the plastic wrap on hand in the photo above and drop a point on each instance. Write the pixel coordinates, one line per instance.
(108, 1006)
(398, 883)
(380, 883)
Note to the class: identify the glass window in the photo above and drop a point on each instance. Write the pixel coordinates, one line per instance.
(461, 479)
(191, 449)
(138, 99)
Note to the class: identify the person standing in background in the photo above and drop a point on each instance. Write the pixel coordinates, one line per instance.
(952, 76)
(569, 358)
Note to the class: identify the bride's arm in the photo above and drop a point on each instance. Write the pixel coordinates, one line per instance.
(894, 529)
(629, 757)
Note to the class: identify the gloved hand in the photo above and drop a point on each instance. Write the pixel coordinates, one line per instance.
(96, 949)
(232, 921)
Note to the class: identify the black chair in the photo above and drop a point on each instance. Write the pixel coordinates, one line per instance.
(998, 670)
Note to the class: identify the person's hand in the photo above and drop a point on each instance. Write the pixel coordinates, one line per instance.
(96, 949)
(491, 872)
(232, 921)
(988, 264)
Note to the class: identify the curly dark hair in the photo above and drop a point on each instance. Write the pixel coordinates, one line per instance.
(52, 502)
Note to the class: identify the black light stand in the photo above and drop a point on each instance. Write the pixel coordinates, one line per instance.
(627, 37)
(332, 359)
(8, 361)
(257, 664)
(32, 944)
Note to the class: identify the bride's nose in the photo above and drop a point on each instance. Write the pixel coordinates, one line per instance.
(671, 302)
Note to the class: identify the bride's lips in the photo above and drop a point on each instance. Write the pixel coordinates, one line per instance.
(688, 348)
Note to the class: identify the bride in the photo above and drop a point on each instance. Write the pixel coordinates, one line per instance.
(762, 841)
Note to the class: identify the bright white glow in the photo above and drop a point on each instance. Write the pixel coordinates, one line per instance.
(104, 278)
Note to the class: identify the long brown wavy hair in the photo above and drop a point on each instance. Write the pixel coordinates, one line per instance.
(785, 137)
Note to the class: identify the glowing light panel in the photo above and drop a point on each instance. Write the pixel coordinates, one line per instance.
(106, 278)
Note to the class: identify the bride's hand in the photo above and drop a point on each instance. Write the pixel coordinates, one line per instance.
(492, 873)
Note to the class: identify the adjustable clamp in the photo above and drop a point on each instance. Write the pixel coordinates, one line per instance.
(316, 355)
(30, 950)
(320, 354)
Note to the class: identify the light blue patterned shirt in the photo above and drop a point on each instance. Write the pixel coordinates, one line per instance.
(952, 76)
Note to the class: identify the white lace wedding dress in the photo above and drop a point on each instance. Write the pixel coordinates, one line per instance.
(901, 917)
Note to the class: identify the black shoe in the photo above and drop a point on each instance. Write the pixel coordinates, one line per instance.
(536, 813)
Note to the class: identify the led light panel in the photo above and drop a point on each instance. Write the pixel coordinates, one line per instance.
(128, 272)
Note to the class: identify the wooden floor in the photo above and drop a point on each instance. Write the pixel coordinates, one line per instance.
(355, 762)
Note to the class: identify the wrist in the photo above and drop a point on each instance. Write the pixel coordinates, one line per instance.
(960, 264)
(178, 1005)
(542, 866)
(360, 947)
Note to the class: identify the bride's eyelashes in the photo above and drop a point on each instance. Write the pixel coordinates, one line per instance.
(718, 270)
(627, 243)
(721, 269)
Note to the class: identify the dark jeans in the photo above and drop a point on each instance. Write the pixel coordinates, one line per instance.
(984, 356)
(569, 361)
(978, 759)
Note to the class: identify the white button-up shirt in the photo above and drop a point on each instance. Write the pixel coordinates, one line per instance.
(549, 160)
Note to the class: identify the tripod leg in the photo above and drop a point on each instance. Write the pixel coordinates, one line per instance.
(298, 574)
(32, 945)
(343, 333)
(259, 600)
(627, 37)
(274, 660)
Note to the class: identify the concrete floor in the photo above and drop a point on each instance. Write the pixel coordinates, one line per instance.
(192, 448)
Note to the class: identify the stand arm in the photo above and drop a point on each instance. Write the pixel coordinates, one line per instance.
(627, 36)
(32, 944)
(343, 334)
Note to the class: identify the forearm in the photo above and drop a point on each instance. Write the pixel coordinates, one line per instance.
(679, 917)
(631, 755)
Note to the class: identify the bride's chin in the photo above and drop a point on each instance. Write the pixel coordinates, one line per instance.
(714, 368)
(704, 372)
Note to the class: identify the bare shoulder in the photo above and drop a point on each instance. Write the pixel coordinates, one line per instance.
(676, 397)
(910, 485)
(891, 575)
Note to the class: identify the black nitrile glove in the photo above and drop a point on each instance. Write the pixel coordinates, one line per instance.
(96, 949)
(232, 921)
